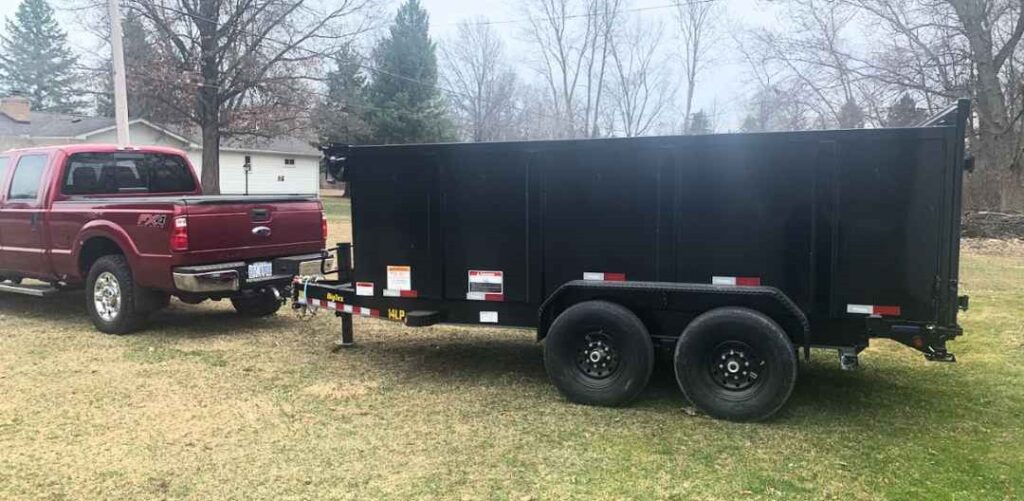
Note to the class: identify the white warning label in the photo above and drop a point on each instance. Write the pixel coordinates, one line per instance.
(364, 288)
(490, 282)
(400, 278)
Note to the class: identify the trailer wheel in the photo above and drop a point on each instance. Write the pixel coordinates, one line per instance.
(110, 296)
(735, 364)
(262, 304)
(598, 353)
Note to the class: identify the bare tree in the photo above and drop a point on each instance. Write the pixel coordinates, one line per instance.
(573, 42)
(480, 82)
(247, 62)
(936, 51)
(698, 22)
(641, 81)
(810, 51)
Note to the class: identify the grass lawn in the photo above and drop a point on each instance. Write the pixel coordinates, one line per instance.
(206, 405)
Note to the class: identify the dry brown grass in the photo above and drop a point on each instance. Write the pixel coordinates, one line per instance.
(205, 405)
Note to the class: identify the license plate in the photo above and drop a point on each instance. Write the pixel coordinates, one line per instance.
(259, 270)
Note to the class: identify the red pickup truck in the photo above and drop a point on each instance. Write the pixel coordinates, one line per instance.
(132, 226)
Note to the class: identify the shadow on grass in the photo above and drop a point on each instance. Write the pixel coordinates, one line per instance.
(886, 392)
(180, 321)
(824, 393)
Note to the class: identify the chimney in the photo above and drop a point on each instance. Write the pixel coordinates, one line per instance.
(17, 108)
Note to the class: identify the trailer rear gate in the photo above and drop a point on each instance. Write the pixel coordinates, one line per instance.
(849, 225)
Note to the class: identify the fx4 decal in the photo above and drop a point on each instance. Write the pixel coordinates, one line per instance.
(152, 220)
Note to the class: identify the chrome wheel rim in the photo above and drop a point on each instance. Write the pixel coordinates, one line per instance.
(106, 296)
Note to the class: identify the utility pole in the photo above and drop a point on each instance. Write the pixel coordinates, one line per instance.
(120, 85)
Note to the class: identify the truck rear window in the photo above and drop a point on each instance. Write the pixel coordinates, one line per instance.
(113, 173)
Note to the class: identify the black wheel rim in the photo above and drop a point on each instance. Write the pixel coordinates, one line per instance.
(736, 366)
(596, 356)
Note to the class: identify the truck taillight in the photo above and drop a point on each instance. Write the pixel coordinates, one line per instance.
(179, 234)
(323, 227)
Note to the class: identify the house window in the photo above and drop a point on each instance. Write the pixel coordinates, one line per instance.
(289, 161)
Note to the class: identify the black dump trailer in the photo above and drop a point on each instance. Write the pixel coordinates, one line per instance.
(734, 251)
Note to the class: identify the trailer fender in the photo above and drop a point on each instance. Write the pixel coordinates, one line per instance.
(690, 298)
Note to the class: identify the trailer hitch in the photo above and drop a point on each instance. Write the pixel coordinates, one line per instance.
(939, 355)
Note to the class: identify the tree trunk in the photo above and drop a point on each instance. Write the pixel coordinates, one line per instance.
(209, 95)
(211, 158)
(997, 143)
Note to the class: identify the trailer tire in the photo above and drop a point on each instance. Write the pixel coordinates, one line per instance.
(262, 304)
(735, 364)
(114, 311)
(599, 353)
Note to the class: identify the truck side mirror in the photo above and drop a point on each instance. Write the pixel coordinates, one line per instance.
(969, 163)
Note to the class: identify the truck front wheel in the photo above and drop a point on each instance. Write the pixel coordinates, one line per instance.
(735, 364)
(110, 296)
(599, 353)
(261, 304)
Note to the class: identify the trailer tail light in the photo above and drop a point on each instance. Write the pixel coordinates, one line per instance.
(323, 227)
(179, 234)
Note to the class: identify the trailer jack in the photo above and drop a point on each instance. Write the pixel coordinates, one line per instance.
(345, 340)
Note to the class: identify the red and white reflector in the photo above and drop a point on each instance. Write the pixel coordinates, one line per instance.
(607, 277)
(399, 293)
(364, 288)
(347, 308)
(736, 280)
(873, 309)
(485, 296)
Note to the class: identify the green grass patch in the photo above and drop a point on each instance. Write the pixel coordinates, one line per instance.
(206, 405)
(337, 209)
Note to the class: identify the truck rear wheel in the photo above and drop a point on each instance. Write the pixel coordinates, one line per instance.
(110, 296)
(735, 364)
(261, 304)
(599, 353)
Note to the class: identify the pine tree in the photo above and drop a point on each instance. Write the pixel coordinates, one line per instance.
(146, 76)
(408, 107)
(904, 113)
(36, 62)
(700, 123)
(341, 116)
(851, 116)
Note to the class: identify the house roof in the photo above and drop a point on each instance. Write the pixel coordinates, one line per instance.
(57, 125)
(45, 124)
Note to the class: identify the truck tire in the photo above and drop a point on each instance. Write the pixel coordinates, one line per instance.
(735, 364)
(599, 353)
(110, 296)
(262, 304)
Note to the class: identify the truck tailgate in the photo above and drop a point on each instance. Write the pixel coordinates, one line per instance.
(227, 228)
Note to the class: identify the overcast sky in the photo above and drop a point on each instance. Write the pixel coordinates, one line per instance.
(724, 86)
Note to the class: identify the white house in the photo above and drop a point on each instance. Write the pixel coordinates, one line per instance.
(280, 165)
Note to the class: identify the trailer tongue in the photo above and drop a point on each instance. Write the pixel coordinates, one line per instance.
(733, 251)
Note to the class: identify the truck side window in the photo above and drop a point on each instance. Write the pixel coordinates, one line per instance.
(112, 173)
(27, 177)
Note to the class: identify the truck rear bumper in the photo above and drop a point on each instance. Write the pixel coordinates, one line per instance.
(233, 276)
